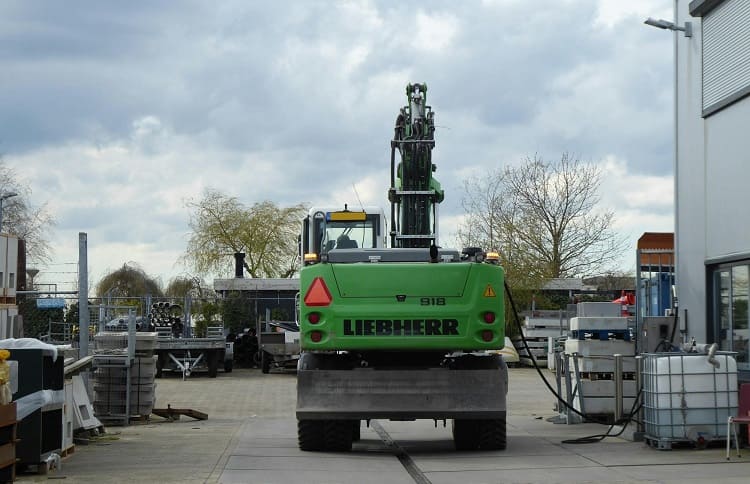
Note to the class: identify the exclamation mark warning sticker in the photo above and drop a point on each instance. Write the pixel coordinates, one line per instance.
(489, 291)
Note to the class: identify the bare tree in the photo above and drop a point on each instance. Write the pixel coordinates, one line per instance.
(544, 218)
(24, 220)
(266, 233)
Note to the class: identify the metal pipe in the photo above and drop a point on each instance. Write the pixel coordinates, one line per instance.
(579, 386)
(83, 296)
(618, 387)
(639, 390)
(558, 375)
(568, 388)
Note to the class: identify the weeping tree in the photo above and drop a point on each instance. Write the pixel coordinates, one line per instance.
(181, 286)
(221, 226)
(129, 281)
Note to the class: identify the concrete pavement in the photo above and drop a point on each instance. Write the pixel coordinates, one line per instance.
(250, 436)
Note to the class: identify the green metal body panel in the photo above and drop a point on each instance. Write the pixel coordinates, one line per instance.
(405, 306)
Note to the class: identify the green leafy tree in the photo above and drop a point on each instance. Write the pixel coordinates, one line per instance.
(237, 312)
(221, 226)
(207, 312)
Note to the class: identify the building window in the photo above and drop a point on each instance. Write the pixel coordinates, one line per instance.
(730, 294)
(12, 280)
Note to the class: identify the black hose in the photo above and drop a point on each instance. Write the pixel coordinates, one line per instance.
(583, 440)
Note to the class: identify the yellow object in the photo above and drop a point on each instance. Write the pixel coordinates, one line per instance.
(5, 394)
(346, 216)
(489, 291)
(4, 368)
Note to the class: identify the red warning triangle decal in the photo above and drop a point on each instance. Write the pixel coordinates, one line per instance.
(318, 293)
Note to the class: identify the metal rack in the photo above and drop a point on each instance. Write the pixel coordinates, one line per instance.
(122, 362)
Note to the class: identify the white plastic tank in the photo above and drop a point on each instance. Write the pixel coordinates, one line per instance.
(686, 397)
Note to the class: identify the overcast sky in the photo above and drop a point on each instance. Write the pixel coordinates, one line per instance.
(115, 113)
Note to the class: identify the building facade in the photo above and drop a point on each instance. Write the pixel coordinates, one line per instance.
(712, 168)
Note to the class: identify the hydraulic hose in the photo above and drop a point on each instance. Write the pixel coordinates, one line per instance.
(584, 440)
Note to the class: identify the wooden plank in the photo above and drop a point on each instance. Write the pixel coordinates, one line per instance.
(174, 413)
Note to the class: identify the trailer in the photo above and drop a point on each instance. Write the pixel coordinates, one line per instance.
(187, 355)
(278, 344)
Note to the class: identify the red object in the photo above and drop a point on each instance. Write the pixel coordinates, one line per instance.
(318, 293)
(626, 299)
(487, 335)
(743, 416)
(316, 336)
(489, 317)
(314, 318)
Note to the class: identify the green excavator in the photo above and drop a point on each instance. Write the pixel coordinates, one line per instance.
(401, 331)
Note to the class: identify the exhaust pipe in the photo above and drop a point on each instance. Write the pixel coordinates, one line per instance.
(239, 262)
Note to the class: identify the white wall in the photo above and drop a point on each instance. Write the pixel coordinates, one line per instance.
(690, 171)
(728, 181)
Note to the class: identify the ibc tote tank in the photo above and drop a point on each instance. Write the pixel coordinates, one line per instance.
(686, 398)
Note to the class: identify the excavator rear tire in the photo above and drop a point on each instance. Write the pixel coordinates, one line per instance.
(310, 435)
(466, 433)
(493, 434)
(337, 435)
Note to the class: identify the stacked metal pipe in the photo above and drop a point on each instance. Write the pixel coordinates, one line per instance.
(165, 314)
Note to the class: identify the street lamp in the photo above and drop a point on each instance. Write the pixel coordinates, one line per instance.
(666, 24)
(3, 197)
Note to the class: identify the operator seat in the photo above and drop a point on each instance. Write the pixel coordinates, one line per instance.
(344, 242)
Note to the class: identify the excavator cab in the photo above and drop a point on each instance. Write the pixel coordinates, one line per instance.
(324, 230)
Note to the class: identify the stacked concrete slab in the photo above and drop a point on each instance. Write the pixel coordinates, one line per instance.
(538, 328)
(595, 336)
(111, 380)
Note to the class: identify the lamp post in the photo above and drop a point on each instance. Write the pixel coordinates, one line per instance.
(667, 25)
(3, 197)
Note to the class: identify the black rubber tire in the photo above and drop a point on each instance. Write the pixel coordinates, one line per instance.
(265, 362)
(228, 365)
(493, 434)
(310, 435)
(213, 364)
(356, 431)
(466, 434)
(337, 435)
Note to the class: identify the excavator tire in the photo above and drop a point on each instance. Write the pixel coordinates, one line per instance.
(492, 434)
(467, 433)
(337, 435)
(310, 435)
